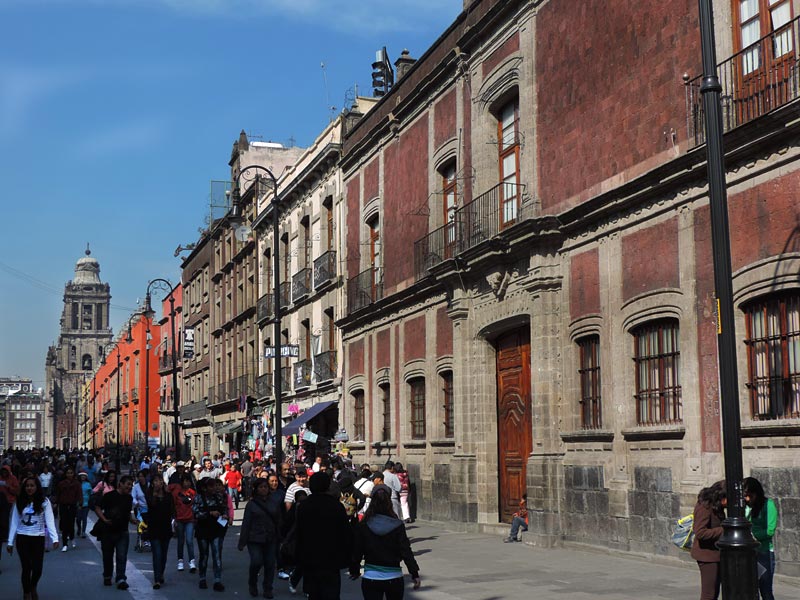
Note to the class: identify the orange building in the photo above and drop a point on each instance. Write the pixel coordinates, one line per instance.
(121, 385)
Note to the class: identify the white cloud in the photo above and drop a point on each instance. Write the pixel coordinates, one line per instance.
(134, 135)
(22, 89)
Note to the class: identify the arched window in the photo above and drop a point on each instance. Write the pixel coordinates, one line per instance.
(658, 389)
(86, 362)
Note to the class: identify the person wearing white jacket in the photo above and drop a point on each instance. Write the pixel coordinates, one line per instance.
(31, 522)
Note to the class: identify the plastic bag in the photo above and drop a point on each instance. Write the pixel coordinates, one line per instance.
(683, 533)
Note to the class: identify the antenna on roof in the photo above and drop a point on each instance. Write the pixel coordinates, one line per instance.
(328, 104)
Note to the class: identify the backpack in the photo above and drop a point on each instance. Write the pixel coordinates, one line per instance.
(683, 533)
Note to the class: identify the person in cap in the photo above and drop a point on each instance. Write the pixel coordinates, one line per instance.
(177, 475)
(83, 507)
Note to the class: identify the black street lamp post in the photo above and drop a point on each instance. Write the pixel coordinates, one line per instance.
(148, 310)
(276, 320)
(737, 546)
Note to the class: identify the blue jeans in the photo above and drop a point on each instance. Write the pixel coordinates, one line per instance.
(83, 517)
(767, 561)
(110, 544)
(262, 556)
(234, 494)
(159, 548)
(516, 523)
(214, 548)
(185, 533)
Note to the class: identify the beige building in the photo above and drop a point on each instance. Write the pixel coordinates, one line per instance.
(311, 252)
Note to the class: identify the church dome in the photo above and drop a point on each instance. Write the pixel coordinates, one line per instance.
(87, 269)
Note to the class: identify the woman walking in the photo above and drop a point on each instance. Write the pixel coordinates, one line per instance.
(68, 498)
(763, 514)
(211, 512)
(158, 516)
(402, 475)
(709, 512)
(183, 497)
(381, 541)
(259, 534)
(233, 482)
(107, 484)
(31, 520)
(83, 508)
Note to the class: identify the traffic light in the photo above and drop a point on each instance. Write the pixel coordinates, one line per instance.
(382, 73)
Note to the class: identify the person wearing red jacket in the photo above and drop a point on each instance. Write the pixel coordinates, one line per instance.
(233, 481)
(68, 496)
(183, 495)
(519, 520)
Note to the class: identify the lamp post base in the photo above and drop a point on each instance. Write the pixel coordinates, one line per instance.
(738, 565)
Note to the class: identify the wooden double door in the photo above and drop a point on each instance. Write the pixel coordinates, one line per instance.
(515, 425)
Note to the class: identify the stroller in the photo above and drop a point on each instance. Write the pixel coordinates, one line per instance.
(142, 538)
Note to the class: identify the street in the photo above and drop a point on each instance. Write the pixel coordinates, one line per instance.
(454, 566)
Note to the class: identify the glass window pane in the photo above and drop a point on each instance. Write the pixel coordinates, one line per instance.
(748, 9)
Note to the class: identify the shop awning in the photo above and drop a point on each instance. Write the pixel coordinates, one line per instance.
(294, 427)
(228, 427)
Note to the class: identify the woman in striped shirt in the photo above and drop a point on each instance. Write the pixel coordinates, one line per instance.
(31, 520)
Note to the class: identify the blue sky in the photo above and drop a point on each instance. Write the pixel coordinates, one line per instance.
(116, 114)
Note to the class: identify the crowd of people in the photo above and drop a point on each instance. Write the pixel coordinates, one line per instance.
(303, 523)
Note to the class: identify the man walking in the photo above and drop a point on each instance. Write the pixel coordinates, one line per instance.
(392, 481)
(324, 540)
(114, 511)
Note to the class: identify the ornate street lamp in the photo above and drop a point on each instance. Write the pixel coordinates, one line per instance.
(236, 221)
(737, 546)
(148, 311)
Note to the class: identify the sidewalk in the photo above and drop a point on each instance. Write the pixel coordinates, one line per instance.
(454, 566)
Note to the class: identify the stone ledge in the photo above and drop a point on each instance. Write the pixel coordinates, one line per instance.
(656, 432)
(356, 445)
(587, 435)
(783, 427)
(414, 444)
(443, 442)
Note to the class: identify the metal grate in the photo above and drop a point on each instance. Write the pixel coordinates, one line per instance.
(589, 373)
(658, 390)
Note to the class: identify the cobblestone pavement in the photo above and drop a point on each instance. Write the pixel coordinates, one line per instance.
(454, 566)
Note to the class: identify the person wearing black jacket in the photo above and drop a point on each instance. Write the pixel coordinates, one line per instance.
(260, 529)
(323, 540)
(158, 517)
(381, 541)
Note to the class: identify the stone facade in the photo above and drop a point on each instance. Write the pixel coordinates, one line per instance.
(540, 172)
(82, 342)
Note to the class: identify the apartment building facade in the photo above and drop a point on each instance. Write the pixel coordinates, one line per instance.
(530, 303)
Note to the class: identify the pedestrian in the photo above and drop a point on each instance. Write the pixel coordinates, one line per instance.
(763, 514)
(183, 497)
(159, 516)
(324, 540)
(391, 480)
(381, 542)
(31, 522)
(247, 474)
(139, 493)
(83, 507)
(709, 512)
(405, 486)
(519, 520)
(259, 533)
(209, 470)
(233, 483)
(68, 498)
(364, 485)
(210, 511)
(108, 483)
(114, 511)
(46, 479)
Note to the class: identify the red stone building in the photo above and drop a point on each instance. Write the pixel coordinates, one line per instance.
(167, 368)
(530, 286)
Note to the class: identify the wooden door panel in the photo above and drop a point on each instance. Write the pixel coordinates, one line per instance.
(514, 419)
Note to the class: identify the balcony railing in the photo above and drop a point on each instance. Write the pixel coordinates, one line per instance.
(194, 411)
(212, 394)
(124, 398)
(286, 380)
(264, 385)
(264, 308)
(364, 289)
(325, 366)
(222, 393)
(475, 222)
(324, 269)
(285, 292)
(108, 407)
(165, 362)
(135, 395)
(756, 80)
(301, 284)
(302, 374)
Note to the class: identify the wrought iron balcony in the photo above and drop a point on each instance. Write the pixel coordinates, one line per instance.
(364, 289)
(286, 380)
(222, 393)
(325, 366)
(211, 394)
(474, 223)
(325, 269)
(194, 411)
(302, 374)
(124, 399)
(756, 80)
(264, 385)
(264, 310)
(301, 284)
(165, 362)
(135, 395)
(285, 292)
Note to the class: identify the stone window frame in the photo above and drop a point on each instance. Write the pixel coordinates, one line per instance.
(772, 275)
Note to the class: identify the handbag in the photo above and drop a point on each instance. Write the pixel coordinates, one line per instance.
(683, 533)
(100, 529)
